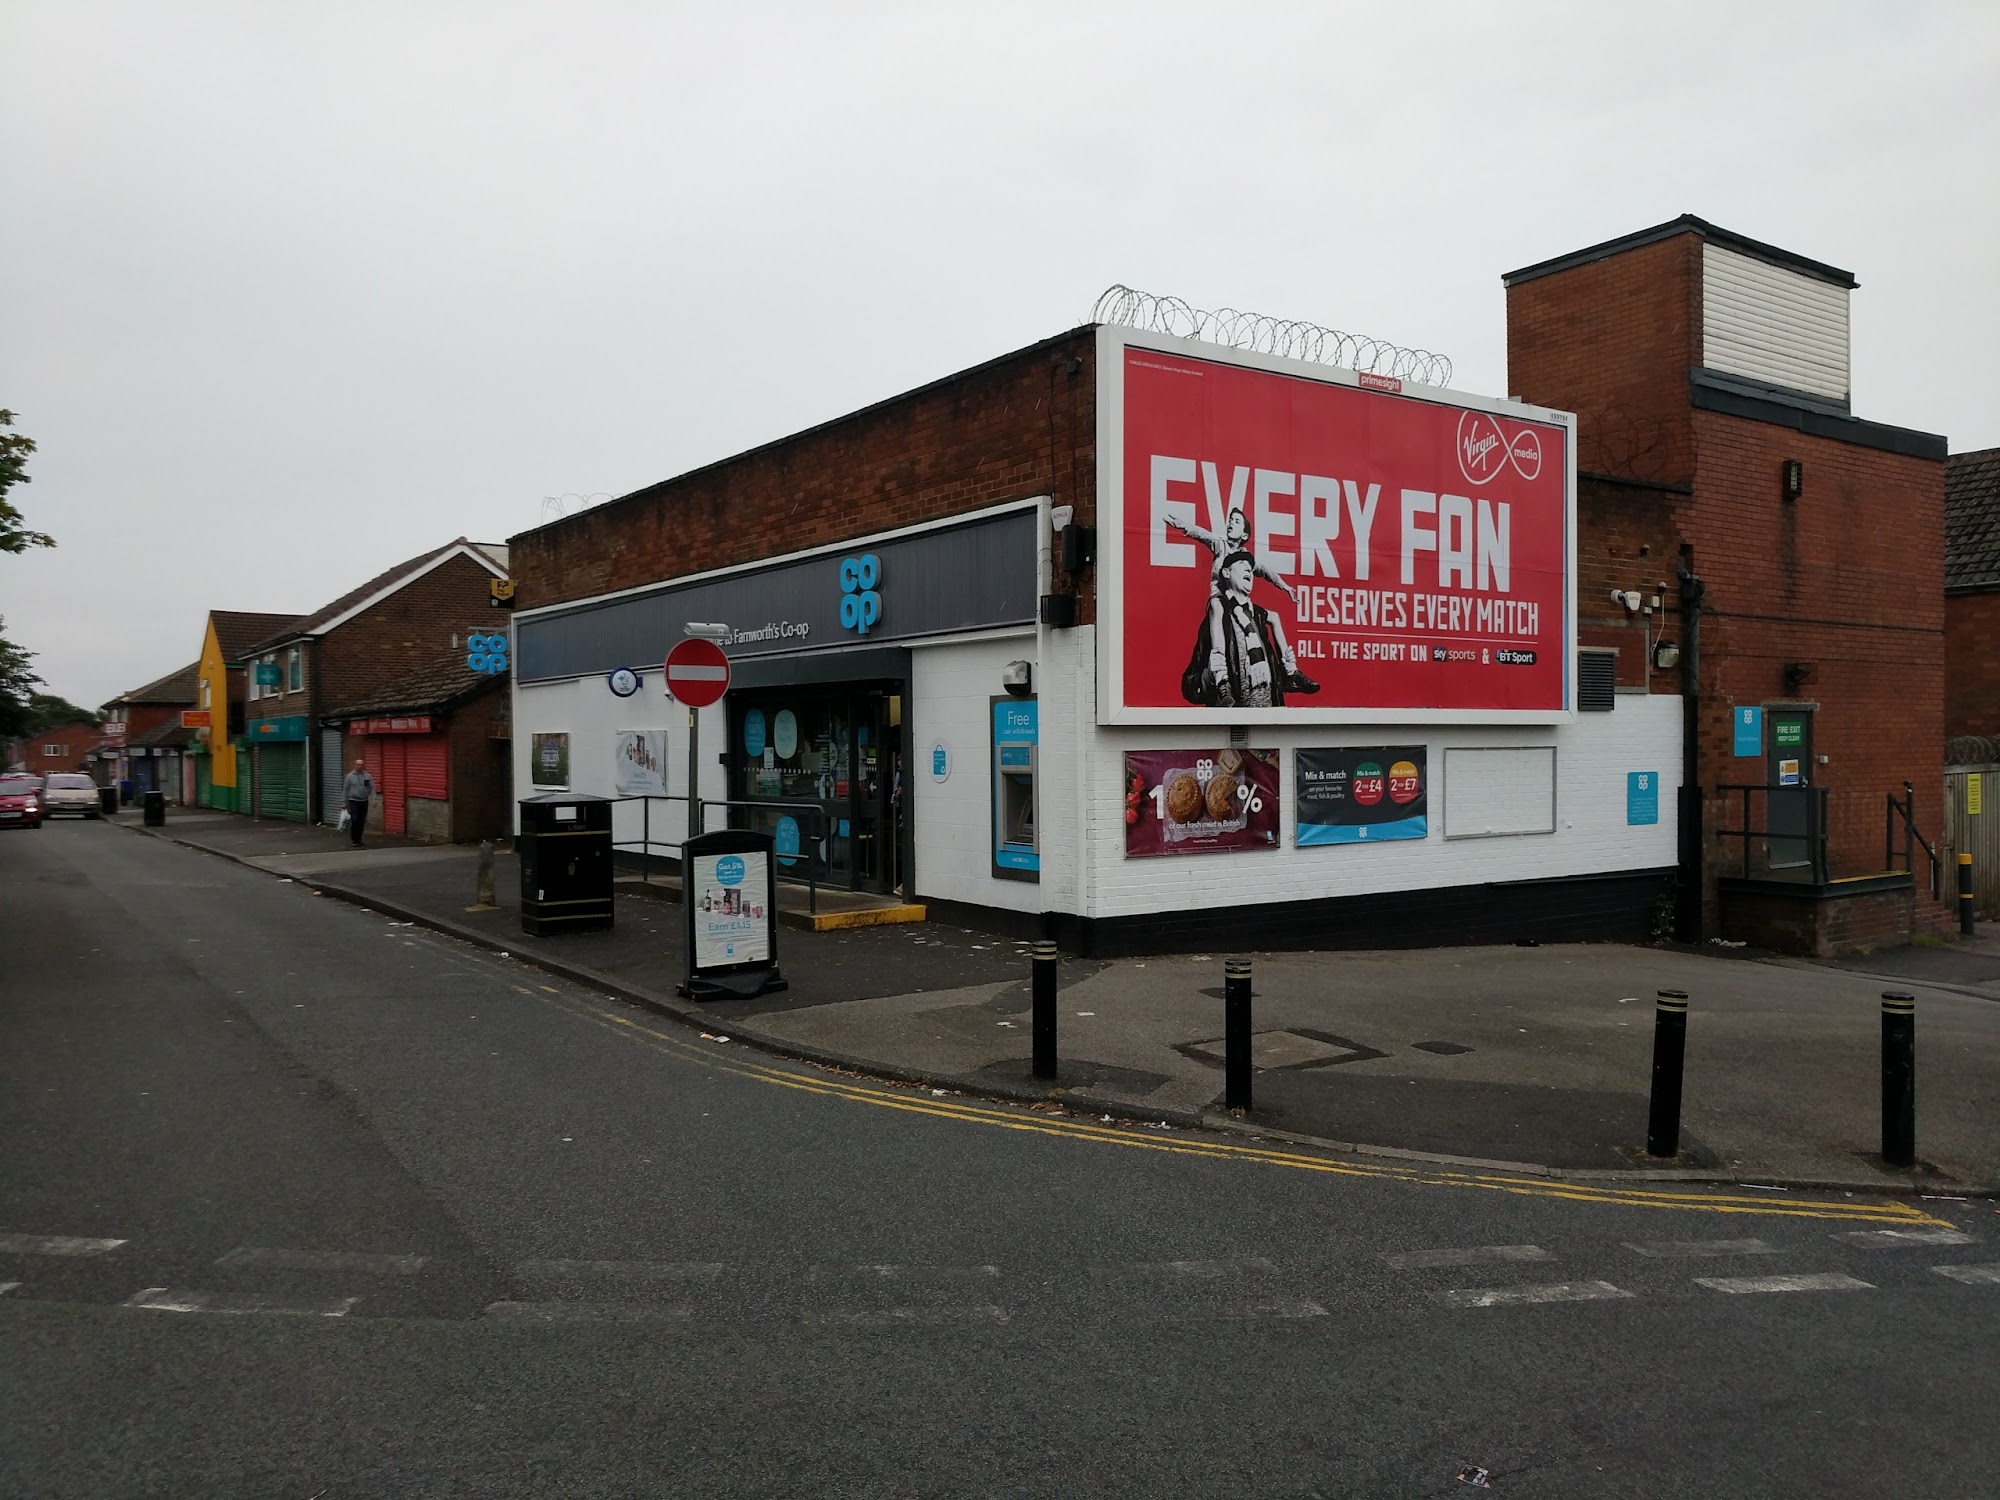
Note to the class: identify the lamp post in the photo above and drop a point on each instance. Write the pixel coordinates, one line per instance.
(701, 631)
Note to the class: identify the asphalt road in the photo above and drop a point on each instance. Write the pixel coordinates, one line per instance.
(299, 1203)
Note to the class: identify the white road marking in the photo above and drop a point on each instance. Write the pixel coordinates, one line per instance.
(1987, 1275)
(1193, 1270)
(928, 1273)
(7, 1286)
(164, 1299)
(1815, 1281)
(984, 1313)
(1561, 1291)
(1412, 1260)
(1692, 1249)
(618, 1270)
(54, 1244)
(584, 1312)
(1893, 1239)
(322, 1260)
(1282, 1307)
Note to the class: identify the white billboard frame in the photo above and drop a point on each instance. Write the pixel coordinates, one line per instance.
(1112, 342)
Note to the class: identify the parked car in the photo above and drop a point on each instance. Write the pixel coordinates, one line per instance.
(20, 802)
(70, 792)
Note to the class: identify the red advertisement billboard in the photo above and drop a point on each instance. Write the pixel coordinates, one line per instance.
(1282, 544)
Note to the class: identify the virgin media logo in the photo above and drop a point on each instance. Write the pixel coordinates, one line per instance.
(1484, 450)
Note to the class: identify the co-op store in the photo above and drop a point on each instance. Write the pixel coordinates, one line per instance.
(1142, 642)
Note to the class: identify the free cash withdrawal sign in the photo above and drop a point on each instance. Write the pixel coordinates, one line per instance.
(1284, 542)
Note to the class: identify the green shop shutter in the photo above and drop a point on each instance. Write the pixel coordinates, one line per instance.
(281, 782)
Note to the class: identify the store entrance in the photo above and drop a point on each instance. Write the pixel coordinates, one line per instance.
(817, 767)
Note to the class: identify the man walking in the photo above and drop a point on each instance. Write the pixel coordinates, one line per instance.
(356, 788)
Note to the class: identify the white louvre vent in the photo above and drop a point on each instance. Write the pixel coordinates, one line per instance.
(1767, 323)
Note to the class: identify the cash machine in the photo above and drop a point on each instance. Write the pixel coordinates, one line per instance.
(1016, 851)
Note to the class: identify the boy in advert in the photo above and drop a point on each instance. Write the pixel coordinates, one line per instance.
(1243, 647)
(1235, 544)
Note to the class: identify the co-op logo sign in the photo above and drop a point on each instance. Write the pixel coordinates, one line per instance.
(860, 603)
(1484, 450)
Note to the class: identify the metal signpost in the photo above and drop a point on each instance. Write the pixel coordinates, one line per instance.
(697, 675)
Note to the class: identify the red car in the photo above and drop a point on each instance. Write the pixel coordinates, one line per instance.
(20, 802)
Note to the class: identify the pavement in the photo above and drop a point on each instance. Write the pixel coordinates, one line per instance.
(299, 1201)
(1534, 1059)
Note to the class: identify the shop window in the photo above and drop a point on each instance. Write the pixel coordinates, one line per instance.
(295, 671)
(204, 692)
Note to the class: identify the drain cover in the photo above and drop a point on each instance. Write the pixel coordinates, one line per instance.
(1442, 1049)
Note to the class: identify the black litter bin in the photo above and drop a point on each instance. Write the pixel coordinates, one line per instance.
(156, 809)
(107, 800)
(565, 855)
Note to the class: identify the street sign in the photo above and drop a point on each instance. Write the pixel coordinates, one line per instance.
(196, 718)
(697, 673)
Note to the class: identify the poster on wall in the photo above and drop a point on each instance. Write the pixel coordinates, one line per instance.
(1286, 548)
(731, 925)
(1362, 796)
(548, 761)
(639, 766)
(1200, 801)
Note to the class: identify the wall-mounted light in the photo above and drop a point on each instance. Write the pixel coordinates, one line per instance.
(1797, 675)
(1792, 479)
(1018, 678)
(1667, 655)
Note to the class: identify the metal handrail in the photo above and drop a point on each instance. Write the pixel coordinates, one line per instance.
(815, 835)
(1814, 837)
(1906, 808)
(646, 843)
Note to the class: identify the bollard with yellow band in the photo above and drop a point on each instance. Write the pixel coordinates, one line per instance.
(1663, 1120)
(1964, 894)
(1899, 1078)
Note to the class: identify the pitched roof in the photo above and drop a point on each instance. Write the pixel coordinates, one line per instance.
(180, 686)
(168, 733)
(434, 687)
(1972, 519)
(237, 631)
(385, 582)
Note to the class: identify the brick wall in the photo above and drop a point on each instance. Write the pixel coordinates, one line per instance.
(1972, 663)
(1613, 341)
(70, 742)
(1018, 426)
(481, 772)
(1848, 579)
(412, 628)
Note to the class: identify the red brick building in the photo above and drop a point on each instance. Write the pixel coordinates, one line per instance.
(73, 747)
(1719, 457)
(150, 746)
(1972, 595)
(301, 678)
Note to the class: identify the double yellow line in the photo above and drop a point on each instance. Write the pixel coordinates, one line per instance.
(1139, 1136)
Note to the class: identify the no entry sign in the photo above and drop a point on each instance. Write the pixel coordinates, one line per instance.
(697, 673)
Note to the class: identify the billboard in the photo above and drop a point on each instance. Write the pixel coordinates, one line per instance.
(1282, 543)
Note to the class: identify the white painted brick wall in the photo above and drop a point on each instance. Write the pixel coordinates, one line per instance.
(1593, 756)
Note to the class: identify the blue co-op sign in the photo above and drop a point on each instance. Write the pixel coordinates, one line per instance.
(860, 604)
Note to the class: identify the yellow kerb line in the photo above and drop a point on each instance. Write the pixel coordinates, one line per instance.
(1133, 1136)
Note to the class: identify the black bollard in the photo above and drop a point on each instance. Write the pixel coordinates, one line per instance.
(1044, 966)
(1236, 1033)
(1899, 1078)
(1965, 895)
(1670, 1029)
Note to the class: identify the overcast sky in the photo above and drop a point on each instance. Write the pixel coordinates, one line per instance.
(290, 292)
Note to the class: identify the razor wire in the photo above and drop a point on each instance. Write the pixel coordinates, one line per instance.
(1260, 333)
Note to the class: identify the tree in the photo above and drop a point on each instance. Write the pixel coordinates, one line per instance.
(18, 681)
(49, 711)
(14, 451)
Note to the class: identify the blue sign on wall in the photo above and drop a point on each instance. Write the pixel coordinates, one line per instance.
(785, 840)
(1642, 797)
(1749, 731)
(860, 604)
(753, 733)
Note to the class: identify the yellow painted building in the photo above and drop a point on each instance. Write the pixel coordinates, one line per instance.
(221, 778)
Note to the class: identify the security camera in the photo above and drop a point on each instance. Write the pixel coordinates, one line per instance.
(1627, 597)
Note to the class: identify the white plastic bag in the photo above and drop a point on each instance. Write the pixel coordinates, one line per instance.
(342, 824)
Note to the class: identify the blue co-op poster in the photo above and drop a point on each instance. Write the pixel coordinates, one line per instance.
(1370, 795)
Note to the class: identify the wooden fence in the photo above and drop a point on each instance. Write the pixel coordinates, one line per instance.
(1978, 834)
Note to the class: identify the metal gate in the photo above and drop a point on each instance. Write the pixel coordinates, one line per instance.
(1975, 833)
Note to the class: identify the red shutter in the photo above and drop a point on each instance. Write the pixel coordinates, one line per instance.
(394, 784)
(429, 757)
